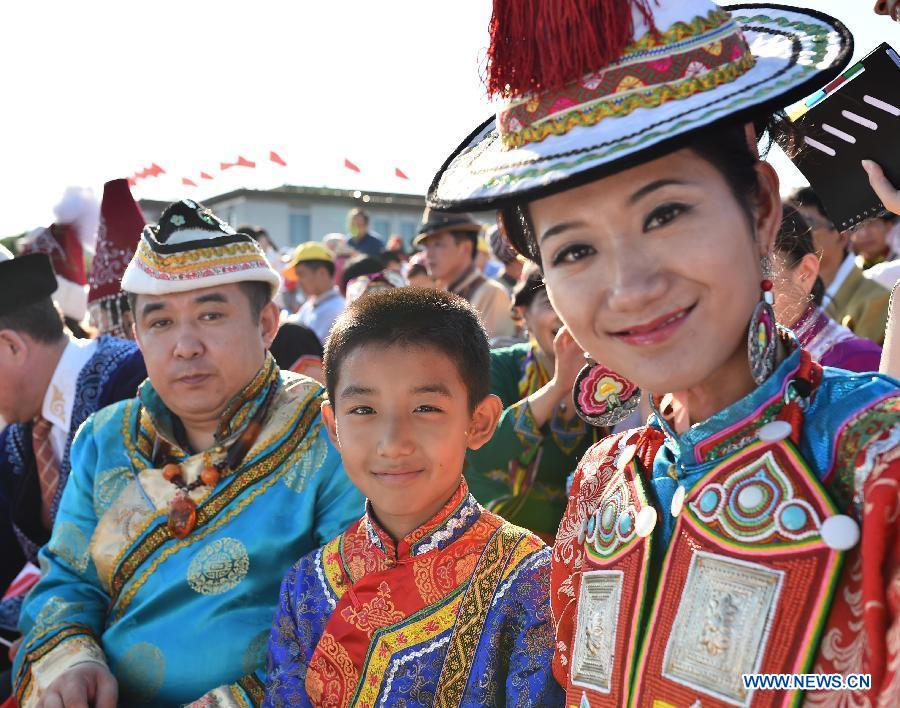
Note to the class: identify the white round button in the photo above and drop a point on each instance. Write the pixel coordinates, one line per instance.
(626, 456)
(840, 532)
(774, 431)
(645, 522)
(678, 500)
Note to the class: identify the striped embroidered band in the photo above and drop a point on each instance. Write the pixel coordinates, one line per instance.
(686, 59)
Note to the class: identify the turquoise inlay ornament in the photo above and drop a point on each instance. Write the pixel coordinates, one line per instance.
(708, 501)
(794, 517)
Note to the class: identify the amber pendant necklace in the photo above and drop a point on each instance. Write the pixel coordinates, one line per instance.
(182, 517)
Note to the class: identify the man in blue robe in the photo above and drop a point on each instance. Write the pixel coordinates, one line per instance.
(187, 504)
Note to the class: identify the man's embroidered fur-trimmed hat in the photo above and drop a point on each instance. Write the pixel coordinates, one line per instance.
(608, 84)
(191, 248)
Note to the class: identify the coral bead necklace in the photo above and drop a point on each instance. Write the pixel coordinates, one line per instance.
(182, 517)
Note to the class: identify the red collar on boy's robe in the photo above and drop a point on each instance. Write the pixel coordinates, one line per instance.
(392, 598)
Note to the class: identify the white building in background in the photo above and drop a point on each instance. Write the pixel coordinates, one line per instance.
(293, 215)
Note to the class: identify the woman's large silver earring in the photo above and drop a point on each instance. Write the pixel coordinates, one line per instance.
(761, 335)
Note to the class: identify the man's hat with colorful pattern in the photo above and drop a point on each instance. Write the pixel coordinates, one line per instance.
(192, 248)
(607, 84)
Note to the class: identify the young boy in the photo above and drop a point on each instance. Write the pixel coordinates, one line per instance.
(428, 599)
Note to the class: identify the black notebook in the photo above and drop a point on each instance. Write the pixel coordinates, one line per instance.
(855, 117)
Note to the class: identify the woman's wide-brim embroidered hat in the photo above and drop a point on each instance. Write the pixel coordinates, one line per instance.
(191, 248)
(683, 67)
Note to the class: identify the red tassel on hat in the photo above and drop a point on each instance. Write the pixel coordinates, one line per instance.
(542, 45)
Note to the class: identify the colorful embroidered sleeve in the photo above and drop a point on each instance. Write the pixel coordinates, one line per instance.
(525, 626)
(303, 610)
(65, 613)
(863, 631)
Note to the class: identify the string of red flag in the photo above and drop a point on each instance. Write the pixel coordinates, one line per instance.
(154, 170)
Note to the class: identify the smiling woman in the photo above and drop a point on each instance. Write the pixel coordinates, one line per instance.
(627, 165)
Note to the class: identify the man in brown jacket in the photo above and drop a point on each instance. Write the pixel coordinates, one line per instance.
(450, 242)
(850, 298)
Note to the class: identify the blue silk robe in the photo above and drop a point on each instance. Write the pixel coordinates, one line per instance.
(180, 619)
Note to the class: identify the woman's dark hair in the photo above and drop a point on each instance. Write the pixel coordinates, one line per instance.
(389, 257)
(293, 341)
(416, 269)
(794, 241)
(725, 148)
(529, 285)
(360, 265)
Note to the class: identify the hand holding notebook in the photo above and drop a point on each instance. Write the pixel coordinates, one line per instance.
(855, 118)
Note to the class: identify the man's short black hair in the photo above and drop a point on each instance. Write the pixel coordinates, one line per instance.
(806, 197)
(414, 317)
(40, 320)
(257, 292)
(361, 213)
(316, 264)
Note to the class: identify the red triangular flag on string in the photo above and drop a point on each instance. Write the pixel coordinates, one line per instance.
(276, 158)
(244, 162)
(350, 166)
(188, 182)
(155, 170)
(204, 175)
(399, 173)
(132, 181)
(140, 175)
(226, 165)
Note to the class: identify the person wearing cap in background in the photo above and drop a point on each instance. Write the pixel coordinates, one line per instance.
(65, 241)
(121, 222)
(49, 384)
(451, 246)
(511, 261)
(186, 504)
(312, 268)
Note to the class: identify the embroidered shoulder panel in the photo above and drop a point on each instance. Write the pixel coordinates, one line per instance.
(863, 438)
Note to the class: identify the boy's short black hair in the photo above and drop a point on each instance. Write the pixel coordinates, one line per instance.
(414, 317)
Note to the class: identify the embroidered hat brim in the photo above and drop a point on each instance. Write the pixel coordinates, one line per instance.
(794, 52)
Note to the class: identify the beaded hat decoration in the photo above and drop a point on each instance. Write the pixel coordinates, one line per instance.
(121, 223)
(191, 248)
(607, 84)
